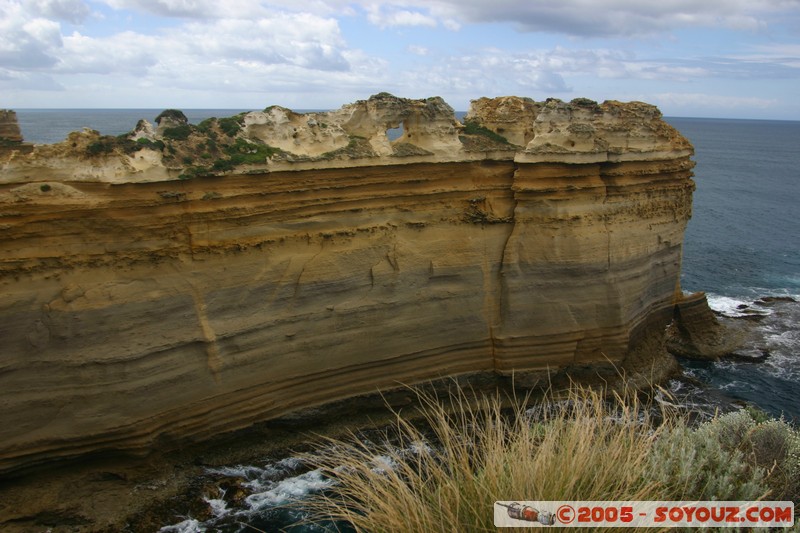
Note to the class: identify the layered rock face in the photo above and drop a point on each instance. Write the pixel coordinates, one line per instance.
(140, 310)
(9, 127)
(11, 140)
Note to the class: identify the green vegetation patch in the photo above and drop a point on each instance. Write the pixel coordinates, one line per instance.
(243, 152)
(104, 145)
(584, 102)
(240, 152)
(471, 127)
(153, 145)
(178, 133)
(174, 114)
(231, 125)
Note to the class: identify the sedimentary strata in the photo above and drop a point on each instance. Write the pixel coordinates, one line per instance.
(186, 280)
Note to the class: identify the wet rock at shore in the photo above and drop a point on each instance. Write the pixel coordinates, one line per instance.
(698, 333)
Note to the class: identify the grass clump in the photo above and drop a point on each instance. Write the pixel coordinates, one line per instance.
(445, 473)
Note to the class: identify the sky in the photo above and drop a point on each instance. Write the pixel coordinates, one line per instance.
(696, 58)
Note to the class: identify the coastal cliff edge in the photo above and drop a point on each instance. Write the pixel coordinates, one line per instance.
(183, 281)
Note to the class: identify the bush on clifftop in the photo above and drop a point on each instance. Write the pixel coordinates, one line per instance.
(175, 115)
(473, 128)
(178, 133)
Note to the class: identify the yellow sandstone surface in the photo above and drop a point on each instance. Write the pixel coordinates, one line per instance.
(139, 310)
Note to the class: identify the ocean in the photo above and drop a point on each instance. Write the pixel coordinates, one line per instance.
(743, 244)
(742, 247)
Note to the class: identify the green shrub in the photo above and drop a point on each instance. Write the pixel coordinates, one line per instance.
(765, 443)
(243, 152)
(104, 145)
(178, 133)
(206, 125)
(126, 144)
(45, 187)
(584, 102)
(153, 145)
(696, 463)
(174, 114)
(223, 165)
(473, 128)
(231, 125)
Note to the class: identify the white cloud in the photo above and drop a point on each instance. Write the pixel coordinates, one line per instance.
(303, 40)
(252, 47)
(121, 53)
(608, 17)
(391, 17)
(26, 40)
(585, 18)
(74, 11)
(28, 81)
(487, 72)
(175, 8)
(561, 72)
(244, 9)
(777, 54)
(300, 40)
(278, 50)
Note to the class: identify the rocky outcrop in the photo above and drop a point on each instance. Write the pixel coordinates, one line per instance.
(185, 281)
(697, 333)
(9, 127)
(11, 136)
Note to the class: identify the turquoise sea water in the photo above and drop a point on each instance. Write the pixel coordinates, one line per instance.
(742, 244)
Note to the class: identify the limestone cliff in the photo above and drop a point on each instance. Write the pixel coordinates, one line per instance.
(10, 135)
(186, 280)
(9, 127)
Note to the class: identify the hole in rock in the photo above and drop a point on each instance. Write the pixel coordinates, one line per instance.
(395, 133)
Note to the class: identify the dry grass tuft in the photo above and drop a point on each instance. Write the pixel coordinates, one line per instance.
(445, 473)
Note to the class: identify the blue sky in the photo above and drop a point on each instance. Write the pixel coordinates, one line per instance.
(707, 58)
